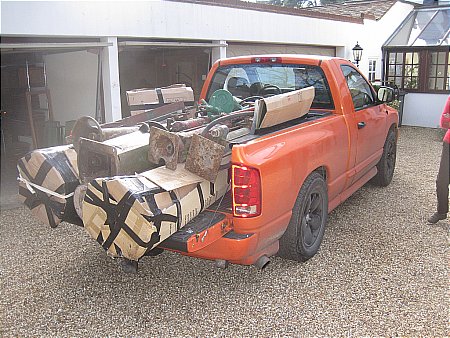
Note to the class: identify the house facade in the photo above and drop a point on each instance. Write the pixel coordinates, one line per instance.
(417, 61)
(93, 52)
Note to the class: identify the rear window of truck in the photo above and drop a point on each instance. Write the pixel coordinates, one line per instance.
(247, 80)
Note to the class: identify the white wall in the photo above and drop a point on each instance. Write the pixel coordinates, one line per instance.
(161, 19)
(375, 34)
(423, 110)
(72, 80)
(175, 20)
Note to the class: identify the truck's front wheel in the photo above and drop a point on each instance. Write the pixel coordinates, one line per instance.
(303, 236)
(386, 165)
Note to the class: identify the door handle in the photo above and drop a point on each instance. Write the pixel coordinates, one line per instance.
(361, 125)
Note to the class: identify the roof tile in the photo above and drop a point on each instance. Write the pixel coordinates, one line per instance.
(367, 9)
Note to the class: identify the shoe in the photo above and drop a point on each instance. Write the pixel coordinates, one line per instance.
(436, 217)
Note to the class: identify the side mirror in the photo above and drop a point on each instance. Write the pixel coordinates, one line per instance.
(385, 94)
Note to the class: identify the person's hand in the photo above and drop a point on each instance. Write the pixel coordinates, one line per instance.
(445, 121)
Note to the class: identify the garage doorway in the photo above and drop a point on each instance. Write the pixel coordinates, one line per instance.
(44, 85)
(160, 67)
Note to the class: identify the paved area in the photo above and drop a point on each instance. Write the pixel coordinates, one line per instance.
(8, 195)
(381, 271)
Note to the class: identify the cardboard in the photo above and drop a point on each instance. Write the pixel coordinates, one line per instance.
(281, 108)
(47, 179)
(169, 179)
(170, 94)
(129, 216)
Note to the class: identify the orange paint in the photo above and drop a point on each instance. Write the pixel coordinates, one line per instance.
(285, 158)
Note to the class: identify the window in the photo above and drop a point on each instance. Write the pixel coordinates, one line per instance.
(411, 71)
(423, 27)
(360, 90)
(419, 70)
(245, 80)
(438, 77)
(372, 69)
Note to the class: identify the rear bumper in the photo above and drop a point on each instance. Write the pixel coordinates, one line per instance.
(233, 247)
(219, 241)
(210, 236)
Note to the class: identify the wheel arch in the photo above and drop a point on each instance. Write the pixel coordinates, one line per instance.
(323, 171)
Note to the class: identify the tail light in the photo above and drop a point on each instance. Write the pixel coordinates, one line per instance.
(246, 185)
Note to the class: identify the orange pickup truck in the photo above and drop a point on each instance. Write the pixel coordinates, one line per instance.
(287, 178)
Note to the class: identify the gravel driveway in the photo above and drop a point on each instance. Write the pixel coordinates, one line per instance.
(381, 270)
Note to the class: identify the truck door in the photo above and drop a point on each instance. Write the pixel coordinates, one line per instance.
(367, 122)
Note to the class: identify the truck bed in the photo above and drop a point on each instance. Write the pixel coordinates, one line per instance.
(216, 214)
(311, 116)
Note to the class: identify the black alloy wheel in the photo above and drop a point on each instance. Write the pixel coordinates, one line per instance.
(305, 231)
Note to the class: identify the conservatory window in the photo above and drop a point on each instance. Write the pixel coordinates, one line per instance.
(438, 72)
(421, 71)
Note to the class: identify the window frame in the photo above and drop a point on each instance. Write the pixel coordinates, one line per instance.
(372, 70)
(374, 97)
(424, 66)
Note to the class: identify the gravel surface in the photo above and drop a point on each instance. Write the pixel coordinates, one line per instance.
(381, 271)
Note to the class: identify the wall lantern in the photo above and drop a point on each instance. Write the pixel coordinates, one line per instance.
(357, 53)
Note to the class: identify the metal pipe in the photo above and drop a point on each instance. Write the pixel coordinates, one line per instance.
(262, 262)
(221, 263)
(237, 133)
(231, 116)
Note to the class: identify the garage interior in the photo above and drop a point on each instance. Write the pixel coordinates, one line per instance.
(43, 89)
(144, 64)
(40, 81)
(46, 84)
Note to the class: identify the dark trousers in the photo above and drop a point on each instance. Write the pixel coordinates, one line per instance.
(443, 180)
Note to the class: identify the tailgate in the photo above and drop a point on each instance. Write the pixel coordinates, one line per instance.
(209, 226)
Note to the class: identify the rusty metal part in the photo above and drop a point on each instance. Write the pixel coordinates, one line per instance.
(238, 133)
(88, 127)
(188, 124)
(123, 155)
(164, 146)
(232, 116)
(219, 131)
(204, 157)
(151, 114)
(190, 112)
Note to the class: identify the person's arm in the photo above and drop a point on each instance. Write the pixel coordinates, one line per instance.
(445, 118)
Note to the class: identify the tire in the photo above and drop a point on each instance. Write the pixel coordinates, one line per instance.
(303, 236)
(386, 165)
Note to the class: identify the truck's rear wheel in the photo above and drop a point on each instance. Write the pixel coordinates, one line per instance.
(386, 165)
(303, 236)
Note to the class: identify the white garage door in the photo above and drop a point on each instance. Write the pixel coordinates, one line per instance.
(239, 49)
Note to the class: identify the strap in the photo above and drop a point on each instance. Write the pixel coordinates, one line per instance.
(31, 185)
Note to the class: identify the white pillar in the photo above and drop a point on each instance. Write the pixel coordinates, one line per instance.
(341, 51)
(111, 81)
(219, 52)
